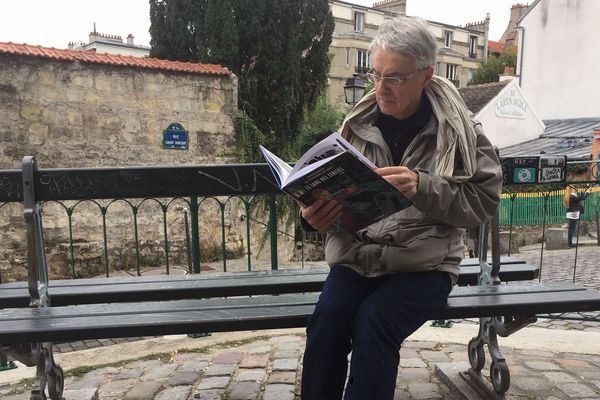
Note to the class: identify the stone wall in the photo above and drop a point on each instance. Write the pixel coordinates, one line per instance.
(74, 114)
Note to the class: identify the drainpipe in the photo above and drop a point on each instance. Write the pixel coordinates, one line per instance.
(521, 47)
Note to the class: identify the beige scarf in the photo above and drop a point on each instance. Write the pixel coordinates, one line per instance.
(455, 128)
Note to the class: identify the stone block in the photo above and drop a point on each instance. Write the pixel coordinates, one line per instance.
(556, 239)
(505, 236)
(81, 394)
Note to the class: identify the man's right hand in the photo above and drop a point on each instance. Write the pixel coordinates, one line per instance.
(320, 214)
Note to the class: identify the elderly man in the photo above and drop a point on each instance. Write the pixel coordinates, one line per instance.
(391, 277)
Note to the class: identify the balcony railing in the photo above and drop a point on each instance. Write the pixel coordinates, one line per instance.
(361, 70)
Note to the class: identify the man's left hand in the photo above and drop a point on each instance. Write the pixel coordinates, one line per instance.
(402, 178)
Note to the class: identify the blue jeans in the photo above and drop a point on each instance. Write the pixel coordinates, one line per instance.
(370, 317)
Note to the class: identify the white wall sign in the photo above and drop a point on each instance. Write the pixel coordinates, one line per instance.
(512, 105)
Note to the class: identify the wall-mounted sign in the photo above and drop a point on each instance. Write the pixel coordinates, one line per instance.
(552, 169)
(535, 169)
(175, 137)
(512, 105)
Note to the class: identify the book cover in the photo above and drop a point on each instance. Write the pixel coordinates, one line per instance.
(327, 174)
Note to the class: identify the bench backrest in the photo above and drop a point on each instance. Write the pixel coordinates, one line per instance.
(32, 186)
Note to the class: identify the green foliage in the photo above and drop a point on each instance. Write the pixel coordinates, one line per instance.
(173, 29)
(577, 169)
(247, 137)
(277, 48)
(320, 122)
(490, 70)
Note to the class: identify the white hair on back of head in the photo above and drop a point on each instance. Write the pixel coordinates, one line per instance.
(409, 37)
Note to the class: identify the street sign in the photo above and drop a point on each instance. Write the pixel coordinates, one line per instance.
(175, 137)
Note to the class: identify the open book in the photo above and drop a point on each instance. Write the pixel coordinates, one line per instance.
(333, 168)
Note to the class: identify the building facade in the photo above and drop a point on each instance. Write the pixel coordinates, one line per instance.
(557, 60)
(460, 49)
(111, 44)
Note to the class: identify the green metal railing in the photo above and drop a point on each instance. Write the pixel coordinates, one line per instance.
(136, 210)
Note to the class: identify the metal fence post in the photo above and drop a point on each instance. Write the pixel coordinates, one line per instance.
(273, 230)
(5, 365)
(195, 234)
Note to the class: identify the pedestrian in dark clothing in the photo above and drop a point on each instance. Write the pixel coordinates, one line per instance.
(574, 204)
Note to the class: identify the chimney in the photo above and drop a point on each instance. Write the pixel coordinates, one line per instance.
(130, 39)
(595, 152)
(397, 6)
(509, 74)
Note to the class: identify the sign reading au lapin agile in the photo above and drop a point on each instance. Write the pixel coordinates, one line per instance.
(175, 137)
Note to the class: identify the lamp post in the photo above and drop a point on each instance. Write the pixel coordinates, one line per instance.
(354, 89)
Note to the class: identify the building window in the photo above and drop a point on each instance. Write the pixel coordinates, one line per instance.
(451, 70)
(347, 56)
(473, 46)
(362, 61)
(447, 38)
(470, 74)
(359, 22)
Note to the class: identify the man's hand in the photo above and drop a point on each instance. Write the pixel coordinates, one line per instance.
(320, 214)
(402, 178)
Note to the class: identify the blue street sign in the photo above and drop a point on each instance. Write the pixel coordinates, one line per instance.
(175, 137)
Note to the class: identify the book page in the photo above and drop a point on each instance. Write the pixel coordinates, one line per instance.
(281, 170)
(326, 148)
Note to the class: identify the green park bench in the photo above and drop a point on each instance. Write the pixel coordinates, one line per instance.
(43, 311)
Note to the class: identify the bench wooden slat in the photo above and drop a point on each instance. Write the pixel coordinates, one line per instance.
(264, 312)
(174, 287)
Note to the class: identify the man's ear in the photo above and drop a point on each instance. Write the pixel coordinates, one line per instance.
(428, 76)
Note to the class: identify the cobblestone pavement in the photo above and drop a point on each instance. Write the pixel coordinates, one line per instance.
(269, 368)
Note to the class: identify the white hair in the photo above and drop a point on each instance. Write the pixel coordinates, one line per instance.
(409, 37)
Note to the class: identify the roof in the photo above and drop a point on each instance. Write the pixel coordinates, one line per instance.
(570, 137)
(477, 96)
(531, 7)
(92, 57)
(496, 47)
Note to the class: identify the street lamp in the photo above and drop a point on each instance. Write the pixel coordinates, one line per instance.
(354, 89)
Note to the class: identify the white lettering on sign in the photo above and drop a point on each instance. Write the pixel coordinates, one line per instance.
(512, 105)
(550, 174)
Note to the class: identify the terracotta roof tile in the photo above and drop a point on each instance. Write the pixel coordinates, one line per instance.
(111, 59)
(477, 96)
(496, 47)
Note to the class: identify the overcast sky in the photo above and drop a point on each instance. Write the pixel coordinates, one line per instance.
(55, 23)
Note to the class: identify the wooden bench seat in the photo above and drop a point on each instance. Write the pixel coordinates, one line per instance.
(96, 321)
(70, 310)
(176, 287)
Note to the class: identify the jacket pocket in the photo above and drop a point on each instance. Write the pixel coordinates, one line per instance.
(417, 249)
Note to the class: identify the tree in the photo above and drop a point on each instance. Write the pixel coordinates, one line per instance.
(277, 48)
(493, 67)
(323, 120)
(173, 29)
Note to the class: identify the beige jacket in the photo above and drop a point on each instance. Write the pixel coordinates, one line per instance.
(429, 234)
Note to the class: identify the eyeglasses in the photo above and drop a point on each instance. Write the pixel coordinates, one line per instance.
(391, 80)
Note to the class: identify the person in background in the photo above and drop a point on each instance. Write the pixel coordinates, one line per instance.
(574, 204)
(388, 279)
